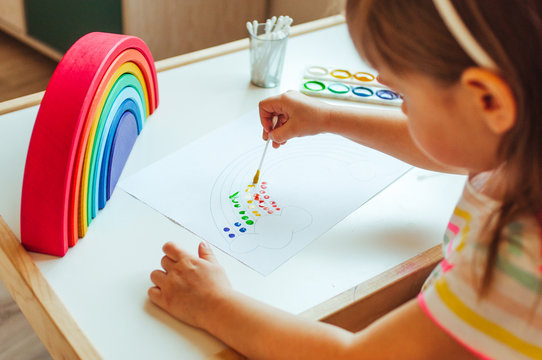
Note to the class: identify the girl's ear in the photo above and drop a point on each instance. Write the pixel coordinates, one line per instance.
(493, 98)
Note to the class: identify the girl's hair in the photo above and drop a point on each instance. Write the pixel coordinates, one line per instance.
(410, 36)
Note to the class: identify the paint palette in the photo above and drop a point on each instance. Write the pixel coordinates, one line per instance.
(349, 85)
(363, 78)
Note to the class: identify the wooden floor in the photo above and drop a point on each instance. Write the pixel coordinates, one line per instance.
(23, 71)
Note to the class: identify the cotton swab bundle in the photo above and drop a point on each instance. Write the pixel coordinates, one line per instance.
(265, 51)
(257, 176)
(275, 28)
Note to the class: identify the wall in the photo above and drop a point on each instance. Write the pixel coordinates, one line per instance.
(174, 27)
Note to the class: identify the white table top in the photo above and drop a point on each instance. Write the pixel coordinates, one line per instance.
(103, 280)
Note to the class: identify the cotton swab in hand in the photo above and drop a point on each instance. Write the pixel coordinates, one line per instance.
(257, 176)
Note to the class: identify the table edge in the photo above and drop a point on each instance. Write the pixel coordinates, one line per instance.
(41, 306)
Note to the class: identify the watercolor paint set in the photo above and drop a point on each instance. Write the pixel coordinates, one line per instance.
(338, 83)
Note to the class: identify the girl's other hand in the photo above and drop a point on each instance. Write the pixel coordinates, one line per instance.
(298, 115)
(188, 286)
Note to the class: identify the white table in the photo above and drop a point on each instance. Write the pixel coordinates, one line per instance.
(101, 283)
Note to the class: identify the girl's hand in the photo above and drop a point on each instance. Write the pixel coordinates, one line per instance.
(298, 115)
(189, 286)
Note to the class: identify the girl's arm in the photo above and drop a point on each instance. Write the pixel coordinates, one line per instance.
(383, 130)
(196, 291)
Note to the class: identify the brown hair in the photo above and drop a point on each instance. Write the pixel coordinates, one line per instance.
(410, 36)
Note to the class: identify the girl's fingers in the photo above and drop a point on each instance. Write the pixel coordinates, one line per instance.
(158, 277)
(276, 145)
(155, 294)
(172, 251)
(167, 263)
(205, 252)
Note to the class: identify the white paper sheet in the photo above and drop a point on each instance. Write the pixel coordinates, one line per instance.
(306, 187)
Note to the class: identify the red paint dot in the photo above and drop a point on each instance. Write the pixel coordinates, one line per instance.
(278, 209)
(270, 212)
(262, 192)
(274, 205)
(264, 187)
(262, 205)
(265, 208)
(273, 202)
(264, 182)
(266, 197)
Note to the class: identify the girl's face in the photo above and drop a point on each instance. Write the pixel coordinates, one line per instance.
(444, 121)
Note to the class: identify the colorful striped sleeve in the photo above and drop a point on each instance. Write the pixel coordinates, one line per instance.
(506, 322)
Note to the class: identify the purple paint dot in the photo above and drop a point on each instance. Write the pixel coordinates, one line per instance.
(226, 229)
(231, 235)
(237, 224)
(242, 229)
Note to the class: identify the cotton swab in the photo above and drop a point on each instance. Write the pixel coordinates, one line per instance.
(257, 176)
(255, 27)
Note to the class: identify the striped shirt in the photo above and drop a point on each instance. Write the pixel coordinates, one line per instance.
(506, 323)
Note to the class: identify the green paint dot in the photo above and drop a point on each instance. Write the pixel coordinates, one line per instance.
(244, 217)
(237, 205)
(242, 212)
(250, 222)
(234, 195)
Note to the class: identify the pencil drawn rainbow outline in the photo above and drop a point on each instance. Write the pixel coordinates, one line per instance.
(100, 78)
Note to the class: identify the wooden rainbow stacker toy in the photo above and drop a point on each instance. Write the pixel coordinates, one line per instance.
(95, 106)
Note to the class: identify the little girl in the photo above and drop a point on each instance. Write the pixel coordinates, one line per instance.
(470, 73)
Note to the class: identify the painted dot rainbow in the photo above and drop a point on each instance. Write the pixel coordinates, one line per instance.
(95, 106)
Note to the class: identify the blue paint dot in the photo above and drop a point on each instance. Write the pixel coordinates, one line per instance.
(242, 229)
(231, 235)
(226, 229)
(237, 224)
